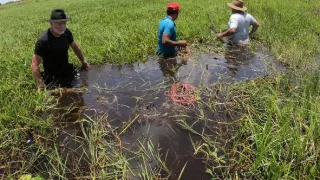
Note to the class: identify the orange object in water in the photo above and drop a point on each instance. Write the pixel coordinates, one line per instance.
(184, 94)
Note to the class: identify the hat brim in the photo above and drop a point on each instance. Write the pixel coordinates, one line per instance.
(59, 20)
(232, 6)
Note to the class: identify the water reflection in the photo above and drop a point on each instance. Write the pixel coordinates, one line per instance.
(170, 67)
(71, 108)
(236, 56)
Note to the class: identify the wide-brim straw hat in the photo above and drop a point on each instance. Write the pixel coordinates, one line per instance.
(237, 5)
(58, 15)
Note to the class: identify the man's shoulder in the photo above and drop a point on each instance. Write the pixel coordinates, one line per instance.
(236, 15)
(68, 31)
(44, 36)
(248, 15)
(167, 22)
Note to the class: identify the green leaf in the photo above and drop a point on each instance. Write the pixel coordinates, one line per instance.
(209, 171)
(222, 161)
(37, 178)
(313, 171)
(214, 154)
(25, 177)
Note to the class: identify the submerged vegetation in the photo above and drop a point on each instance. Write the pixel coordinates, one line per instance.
(275, 134)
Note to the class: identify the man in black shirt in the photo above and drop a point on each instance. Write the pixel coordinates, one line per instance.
(52, 49)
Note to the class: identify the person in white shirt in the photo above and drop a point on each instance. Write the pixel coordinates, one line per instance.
(238, 25)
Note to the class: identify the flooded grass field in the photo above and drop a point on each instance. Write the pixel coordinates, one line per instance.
(154, 134)
(253, 118)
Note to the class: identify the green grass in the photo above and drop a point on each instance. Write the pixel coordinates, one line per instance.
(283, 124)
(278, 135)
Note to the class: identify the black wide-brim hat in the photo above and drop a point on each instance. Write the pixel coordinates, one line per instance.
(58, 15)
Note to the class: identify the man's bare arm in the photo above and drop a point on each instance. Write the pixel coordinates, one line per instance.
(228, 32)
(76, 49)
(36, 61)
(255, 26)
(168, 42)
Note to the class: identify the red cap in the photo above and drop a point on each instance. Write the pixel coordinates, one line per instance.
(174, 6)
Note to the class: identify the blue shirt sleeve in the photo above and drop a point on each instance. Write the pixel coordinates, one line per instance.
(168, 29)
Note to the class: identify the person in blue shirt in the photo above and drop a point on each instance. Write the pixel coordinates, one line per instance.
(167, 33)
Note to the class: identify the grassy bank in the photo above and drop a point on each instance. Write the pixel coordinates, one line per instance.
(279, 132)
(282, 127)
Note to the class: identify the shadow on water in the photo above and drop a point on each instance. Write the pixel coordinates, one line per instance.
(127, 91)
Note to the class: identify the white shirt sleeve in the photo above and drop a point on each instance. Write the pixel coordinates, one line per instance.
(252, 19)
(233, 22)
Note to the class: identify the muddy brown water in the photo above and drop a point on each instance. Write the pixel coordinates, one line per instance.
(123, 92)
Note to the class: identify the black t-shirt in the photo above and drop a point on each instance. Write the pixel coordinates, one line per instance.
(54, 52)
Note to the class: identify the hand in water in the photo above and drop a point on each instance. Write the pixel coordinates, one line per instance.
(41, 84)
(183, 43)
(219, 35)
(85, 65)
